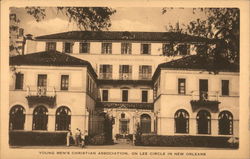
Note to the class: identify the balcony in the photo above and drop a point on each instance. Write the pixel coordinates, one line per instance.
(125, 76)
(145, 76)
(105, 76)
(147, 106)
(38, 95)
(203, 99)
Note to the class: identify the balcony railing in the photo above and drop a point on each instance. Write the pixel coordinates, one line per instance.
(125, 76)
(145, 76)
(127, 105)
(204, 99)
(40, 94)
(105, 76)
(204, 95)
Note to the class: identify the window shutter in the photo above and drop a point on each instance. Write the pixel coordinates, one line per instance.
(120, 69)
(110, 68)
(122, 48)
(140, 69)
(141, 48)
(80, 47)
(150, 69)
(71, 47)
(130, 69)
(47, 46)
(64, 48)
(110, 48)
(130, 48)
(102, 48)
(149, 48)
(101, 68)
(88, 47)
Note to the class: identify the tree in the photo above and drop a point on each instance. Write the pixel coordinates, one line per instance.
(86, 18)
(220, 23)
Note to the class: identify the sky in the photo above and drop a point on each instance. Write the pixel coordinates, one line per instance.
(125, 19)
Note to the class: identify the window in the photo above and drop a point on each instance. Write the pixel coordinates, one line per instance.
(126, 48)
(42, 80)
(124, 124)
(125, 72)
(167, 49)
(123, 116)
(181, 121)
(203, 122)
(40, 118)
(106, 71)
(225, 87)
(182, 49)
(106, 48)
(42, 84)
(145, 72)
(145, 48)
(63, 118)
(67, 47)
(105, 95)
(51, 46)
(145, 123)
(20, 32)
(19, 81)
(64, 82)
(124, 95)
(144, 96)
(225, 123)
(203, 88)
(181, 86)
(17, 118)
(84, 47)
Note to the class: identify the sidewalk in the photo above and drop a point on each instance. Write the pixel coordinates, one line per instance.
(119, 146)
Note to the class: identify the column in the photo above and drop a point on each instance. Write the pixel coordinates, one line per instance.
(192, 126)
(51, 122)
(28, 122)
(214, 127)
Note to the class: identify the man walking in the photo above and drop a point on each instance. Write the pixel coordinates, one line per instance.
(77, 137)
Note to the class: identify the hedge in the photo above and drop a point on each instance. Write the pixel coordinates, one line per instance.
(186, 141)
(33, 138)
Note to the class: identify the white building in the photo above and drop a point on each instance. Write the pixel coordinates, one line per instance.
(123, 87)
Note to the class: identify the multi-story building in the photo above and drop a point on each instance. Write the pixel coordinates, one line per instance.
(123, 87)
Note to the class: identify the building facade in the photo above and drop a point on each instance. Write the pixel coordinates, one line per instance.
(114, 79)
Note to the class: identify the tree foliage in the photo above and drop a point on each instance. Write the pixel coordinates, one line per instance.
(86, 18)
(220, 23)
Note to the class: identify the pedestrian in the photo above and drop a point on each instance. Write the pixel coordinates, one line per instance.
(83, 139)
(77, 137)
(69, 135)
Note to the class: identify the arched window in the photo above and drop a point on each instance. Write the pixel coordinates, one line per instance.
(203, 122)
(17, 118)
(63, 118)
(225, 123)
(145, 123)
(181, 121)
(40, 118)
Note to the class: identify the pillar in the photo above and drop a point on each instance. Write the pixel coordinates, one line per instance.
(51, 122)
(28, 122)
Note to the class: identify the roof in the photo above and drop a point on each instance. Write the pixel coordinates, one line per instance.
(199, 62)
(50, 58)
(124, 35)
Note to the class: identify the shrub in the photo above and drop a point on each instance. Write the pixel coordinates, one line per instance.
(187, 141)
(30, 138)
